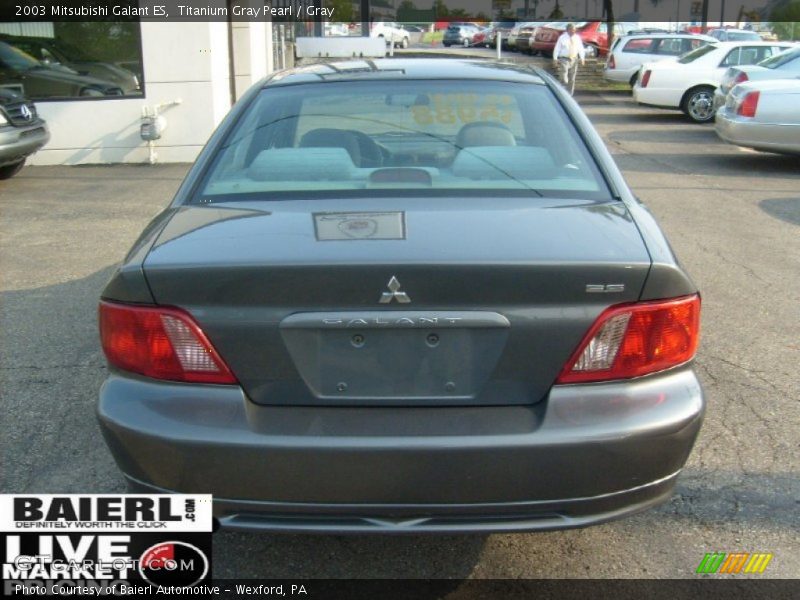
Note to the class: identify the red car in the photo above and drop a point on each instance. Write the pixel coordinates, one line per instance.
(593, 33)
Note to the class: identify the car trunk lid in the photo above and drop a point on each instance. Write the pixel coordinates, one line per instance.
(429, 301)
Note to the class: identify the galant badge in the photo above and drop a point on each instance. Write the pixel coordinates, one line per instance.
(394, 293)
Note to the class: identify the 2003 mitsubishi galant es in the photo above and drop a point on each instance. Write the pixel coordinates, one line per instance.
(403, 296)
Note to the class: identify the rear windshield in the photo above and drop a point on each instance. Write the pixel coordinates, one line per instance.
(743, 36)
(773, 62)
(401, 138)
(696, 53)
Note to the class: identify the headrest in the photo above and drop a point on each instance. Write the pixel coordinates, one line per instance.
(302, 164)
(333, 138)
(504, 162)
(484, 133)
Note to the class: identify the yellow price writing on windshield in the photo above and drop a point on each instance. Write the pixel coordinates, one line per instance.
(449, 109)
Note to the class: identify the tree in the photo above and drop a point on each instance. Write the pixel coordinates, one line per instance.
(342, 10)
(786, 21)
(608, 11)
(556, 13)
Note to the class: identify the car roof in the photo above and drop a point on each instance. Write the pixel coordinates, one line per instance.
(732, 44)
(691, 36)
(405, 69)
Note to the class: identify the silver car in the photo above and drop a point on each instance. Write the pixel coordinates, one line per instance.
(762, 115)
(404, 296)
(785, 65)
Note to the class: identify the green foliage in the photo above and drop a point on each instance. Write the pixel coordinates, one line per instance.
(786, 20)
(342, 10)
(556, 13)
(102, 41)
(787, 30)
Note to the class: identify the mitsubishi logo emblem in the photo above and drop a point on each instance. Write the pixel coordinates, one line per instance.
(394, 293)
(26, 113)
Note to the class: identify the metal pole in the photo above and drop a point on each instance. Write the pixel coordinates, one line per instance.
(499, 42)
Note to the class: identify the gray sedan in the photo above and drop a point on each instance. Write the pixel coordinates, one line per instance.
(403, 296)
(762, 115)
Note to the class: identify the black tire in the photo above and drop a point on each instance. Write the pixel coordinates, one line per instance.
(634, 77)
(446, 44)
(12, 169)
(698, 104)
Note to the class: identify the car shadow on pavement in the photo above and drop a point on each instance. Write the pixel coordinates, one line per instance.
(264, 556)
(52, 369)
(623, 116)
(719, 160)
(785, 209)
(695, 135)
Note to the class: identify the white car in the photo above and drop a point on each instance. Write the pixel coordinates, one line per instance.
(735, 35)
(785, 65)
(689, 83)
(391, 32)
(762, 115)
(629, 53)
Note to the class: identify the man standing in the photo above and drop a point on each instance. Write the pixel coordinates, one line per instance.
(569, 48)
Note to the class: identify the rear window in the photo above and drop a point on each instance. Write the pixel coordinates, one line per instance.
(639, 45)
(742, 36)
(398, 138)
(697, 53)
(790, 56)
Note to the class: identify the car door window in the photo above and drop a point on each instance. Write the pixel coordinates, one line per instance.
(732, 59)
(639, 46)
(669, 47)
(755, 54)
(690, 44)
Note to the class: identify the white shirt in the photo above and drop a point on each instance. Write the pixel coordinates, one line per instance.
(563, 46)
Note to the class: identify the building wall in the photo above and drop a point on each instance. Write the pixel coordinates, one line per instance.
(189, 62)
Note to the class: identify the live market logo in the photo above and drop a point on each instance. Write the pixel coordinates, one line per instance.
(104, 544)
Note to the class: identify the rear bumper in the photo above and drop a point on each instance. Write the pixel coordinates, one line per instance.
(588, 454)
(747, 132)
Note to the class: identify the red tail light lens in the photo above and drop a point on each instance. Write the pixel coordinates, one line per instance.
(631, 340)
(740, 78)
(163, 343)
(645, 79)
(612, 63)
(749, 105)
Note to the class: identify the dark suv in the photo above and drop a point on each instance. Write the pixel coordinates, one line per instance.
(37, 80)
(22, 132)
(71, 59)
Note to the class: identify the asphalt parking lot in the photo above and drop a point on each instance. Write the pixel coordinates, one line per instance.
(733, 217)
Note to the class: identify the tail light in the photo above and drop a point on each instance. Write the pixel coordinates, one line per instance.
(645, 79)
(748, 105)
(631, 340)
(612, 63)
(163, 343)
(740, 78)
